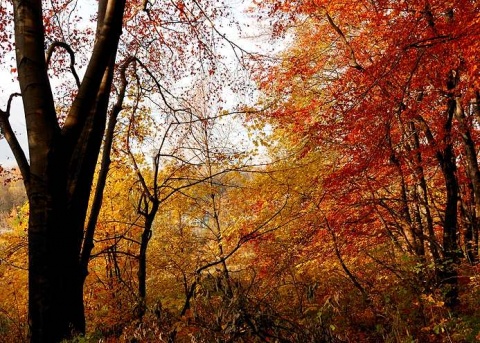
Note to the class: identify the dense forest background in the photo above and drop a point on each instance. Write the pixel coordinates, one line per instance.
(266, 171)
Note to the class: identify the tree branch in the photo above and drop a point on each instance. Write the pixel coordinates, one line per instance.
(7, 131)
(67, 47)
(105, 47)
(105, 166)
(353, 60)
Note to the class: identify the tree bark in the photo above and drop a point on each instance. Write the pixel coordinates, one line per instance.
(448, 273)
(474, 176)
(60, 174)
(142, 258)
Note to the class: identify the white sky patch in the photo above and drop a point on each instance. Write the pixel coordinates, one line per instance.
(244, 31)
(8, 87)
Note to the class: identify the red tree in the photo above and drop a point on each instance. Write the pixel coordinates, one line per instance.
(393, 86)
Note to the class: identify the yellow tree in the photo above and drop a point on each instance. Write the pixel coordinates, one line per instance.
(66, 122)
(13, 275)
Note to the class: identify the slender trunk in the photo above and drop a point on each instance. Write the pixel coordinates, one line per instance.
(347, 271)
(409, 233)
(448, 270)
(102, 176)
(423, 195)
(474, 176)
(218, 234)
(142, 260)
(448, 273)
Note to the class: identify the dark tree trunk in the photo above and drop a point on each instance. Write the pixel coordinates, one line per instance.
(447, 271)
(448, 274)
(142, 259)
(59, 176)
(423, 193)
(447, 266)
(474, 175)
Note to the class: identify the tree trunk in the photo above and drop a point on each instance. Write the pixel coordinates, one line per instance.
(446, 268)
(474, 175)
(62, 163)
(423, 194)
(142, 259)
(448, 273)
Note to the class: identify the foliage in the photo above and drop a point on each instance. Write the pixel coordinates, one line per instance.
(353, 216)
(13, 275)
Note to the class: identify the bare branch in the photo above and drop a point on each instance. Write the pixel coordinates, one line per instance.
(67, 47)
(7, 131)
(353, 60)
(105, 166)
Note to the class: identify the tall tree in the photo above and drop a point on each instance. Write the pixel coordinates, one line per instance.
(66, 123)
(378, 80)
(59, 174)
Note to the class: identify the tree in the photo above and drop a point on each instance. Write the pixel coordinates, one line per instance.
(384, 88)
(65, 128)
(62, 161)
(12, 193)
(184, 148)
(13, 270)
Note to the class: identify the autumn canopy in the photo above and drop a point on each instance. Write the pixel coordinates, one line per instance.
(240, 171)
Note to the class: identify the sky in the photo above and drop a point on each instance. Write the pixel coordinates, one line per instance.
(8, 86)
(9, 83)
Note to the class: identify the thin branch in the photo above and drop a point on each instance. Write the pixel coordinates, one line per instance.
(105, 166)
(232, 44)
(347, 271)
(254, 234)
(107, 250)
(67, 47)
(7, 131)
(353, 60)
